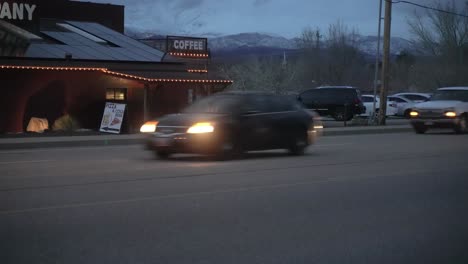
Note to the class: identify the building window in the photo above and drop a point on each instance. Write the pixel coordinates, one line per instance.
(119, 94)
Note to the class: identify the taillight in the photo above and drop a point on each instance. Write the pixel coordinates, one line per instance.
(357, 101)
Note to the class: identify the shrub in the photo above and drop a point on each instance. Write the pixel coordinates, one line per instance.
(66, 123)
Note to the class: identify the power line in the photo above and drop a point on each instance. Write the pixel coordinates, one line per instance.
(429, 7)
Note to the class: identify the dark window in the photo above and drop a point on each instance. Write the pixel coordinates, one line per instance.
(118, 94)
(216, 105)
(367, 99)
(282, 104)
(257, 103)
(396, 99)
(415, 97)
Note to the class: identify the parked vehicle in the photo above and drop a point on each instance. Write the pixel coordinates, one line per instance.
(415, 97)
(228, 124)
(368, 101)
(448, 108)
(340, 102)
(403, 104)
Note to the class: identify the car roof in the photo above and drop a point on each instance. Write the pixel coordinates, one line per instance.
(244, 93)
(460, 88)
(398, 96)
(334, 87)
(410, 93)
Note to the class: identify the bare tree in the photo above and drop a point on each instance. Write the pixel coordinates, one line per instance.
(444, 36)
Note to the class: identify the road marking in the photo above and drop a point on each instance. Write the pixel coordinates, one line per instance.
(172, 196)
(24, 161)
(19, 151)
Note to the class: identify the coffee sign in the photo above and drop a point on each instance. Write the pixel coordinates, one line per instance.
(186, 44)
(17, 11)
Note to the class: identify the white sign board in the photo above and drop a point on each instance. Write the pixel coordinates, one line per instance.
(112, 118)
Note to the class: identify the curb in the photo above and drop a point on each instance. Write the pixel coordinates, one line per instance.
(101, 141)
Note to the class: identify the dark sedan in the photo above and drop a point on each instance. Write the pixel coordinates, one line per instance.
(229, 124)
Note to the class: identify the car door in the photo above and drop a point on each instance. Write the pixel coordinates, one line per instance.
(284, 119)
(314, 99)
(255, 123)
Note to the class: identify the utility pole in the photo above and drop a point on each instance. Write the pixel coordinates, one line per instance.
(385, 62)
(373, 117)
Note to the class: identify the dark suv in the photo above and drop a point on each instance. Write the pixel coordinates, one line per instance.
(340, 102)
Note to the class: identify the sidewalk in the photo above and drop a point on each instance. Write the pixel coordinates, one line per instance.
(130, 139)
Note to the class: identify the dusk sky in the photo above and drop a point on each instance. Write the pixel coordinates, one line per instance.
(281, 17)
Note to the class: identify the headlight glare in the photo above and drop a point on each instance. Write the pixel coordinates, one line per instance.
(450, 114)
(414, 114)
(200, 128)
(148, 127)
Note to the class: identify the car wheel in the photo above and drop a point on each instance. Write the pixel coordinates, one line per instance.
(462, 126)
(229, 149)
(162, 154)
(339, 115)
(407, 113)
(298, 144)
(420, 129)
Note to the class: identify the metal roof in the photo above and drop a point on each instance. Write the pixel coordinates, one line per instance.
(90, 41)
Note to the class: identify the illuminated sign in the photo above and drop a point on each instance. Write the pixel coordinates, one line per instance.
(17, 11)
(187, 44)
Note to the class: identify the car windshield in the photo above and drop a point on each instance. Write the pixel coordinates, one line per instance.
(450, 95)
(215, 105)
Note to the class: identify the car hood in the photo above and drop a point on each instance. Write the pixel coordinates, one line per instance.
(187, 119)
(437, 104)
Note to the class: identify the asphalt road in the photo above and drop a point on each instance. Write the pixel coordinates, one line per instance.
(390, 198)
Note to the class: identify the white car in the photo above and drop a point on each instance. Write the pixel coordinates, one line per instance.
(448, 108)
(415, 97)
(404, 105)
(368, 101)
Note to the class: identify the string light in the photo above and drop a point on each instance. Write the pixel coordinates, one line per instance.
(197, 71)
(105, 70)
(195, 55)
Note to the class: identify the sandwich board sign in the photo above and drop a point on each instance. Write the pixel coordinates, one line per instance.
(112, 118)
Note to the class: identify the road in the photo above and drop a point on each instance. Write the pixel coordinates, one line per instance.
(387, 198)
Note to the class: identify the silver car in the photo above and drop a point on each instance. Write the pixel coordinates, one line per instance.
(448, 108)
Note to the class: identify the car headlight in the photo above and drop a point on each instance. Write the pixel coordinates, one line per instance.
(414, 114)
(148, 127)
(450, 114)
(200, 128)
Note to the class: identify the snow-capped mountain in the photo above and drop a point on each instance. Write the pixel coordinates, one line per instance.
(263, 43)
(251, 40)
(367, 44)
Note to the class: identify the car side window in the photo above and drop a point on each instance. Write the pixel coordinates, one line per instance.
(281, 104)
(308, 96)
(256, 103)
(414, 97)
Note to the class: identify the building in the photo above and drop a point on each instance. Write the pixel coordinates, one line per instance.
(62, 57)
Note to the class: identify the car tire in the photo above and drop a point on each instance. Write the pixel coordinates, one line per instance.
(339, 115)
(407, 113)
(462, 126)
(298, 143)
(420, 129)
(228, 150)
(162, 154)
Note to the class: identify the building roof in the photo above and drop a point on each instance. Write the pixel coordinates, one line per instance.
(88, 41)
